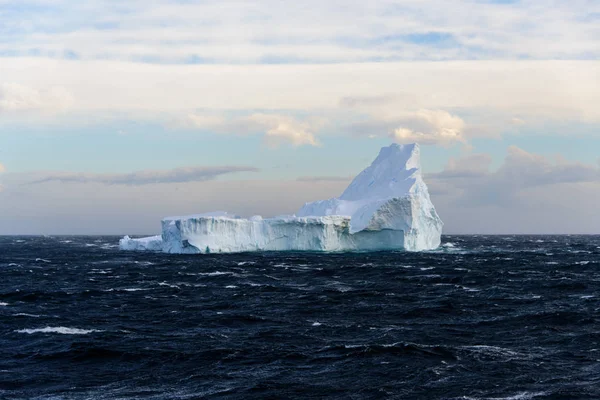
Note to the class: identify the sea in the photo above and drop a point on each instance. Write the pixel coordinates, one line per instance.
(483, 317)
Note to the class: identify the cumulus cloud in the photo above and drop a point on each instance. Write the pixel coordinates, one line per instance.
(276, 128)
(430, 127)
(177, 175)
(280, 129)
(15, 97)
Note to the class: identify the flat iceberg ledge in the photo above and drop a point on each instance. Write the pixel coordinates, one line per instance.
(386, 207)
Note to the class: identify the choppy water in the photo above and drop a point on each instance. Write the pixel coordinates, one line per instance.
(503, 317)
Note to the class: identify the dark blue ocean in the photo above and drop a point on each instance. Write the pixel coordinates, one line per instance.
(484, 317)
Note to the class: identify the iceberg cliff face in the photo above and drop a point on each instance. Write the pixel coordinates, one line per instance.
(386, 207)
(234, 235)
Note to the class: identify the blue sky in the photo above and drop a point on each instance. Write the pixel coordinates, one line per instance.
(296, 98)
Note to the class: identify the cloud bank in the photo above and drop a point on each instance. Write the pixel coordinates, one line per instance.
(438, 103)
(268, 31)
(561, 204)
(470, 181)
(177, 175)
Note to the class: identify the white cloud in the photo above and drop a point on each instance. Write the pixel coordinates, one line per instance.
(20, 98)
(430, 127)
(534, 90)
(276, 128)
(313, 30)
(206, 121)
(386, 117)
(284, 129)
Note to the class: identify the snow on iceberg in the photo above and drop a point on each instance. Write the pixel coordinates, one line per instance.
(386, 207)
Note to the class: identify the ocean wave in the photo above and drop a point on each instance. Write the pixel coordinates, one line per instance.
(518, 396)
(59, 329)
(168, 285)
(493, 351)
(397, 348)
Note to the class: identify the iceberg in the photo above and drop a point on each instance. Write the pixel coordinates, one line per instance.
(386, 207)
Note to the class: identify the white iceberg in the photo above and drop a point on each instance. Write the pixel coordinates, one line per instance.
(386, 207)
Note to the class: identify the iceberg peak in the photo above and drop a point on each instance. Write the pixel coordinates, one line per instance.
(395, 172)
(388, 194)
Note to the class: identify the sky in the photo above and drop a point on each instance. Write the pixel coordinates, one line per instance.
(116, 114)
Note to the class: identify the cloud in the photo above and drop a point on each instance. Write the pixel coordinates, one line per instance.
(230, 31)
(536, 91)
(470, 181)
(117, 209)
(472, 165)
(284, 129)
(524, 170)
(528, 193)
(366, 101)
(430, 127)
(324, 179)
(468, 194)
(124, 209)
(177, 175)
(20, 98)
(276, 128)
(207, 121)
